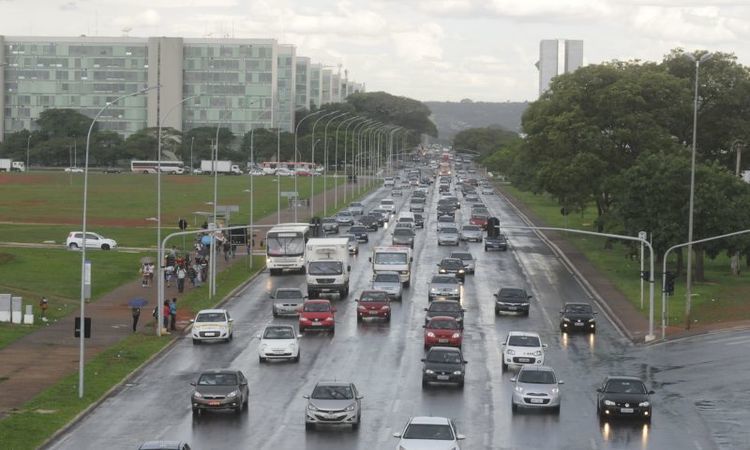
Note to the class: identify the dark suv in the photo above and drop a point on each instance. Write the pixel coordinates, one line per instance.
(220, 389)
(443, 365)
(512, 300)
(453, 265)
(450, 308)
(577, 317)
(625, 397)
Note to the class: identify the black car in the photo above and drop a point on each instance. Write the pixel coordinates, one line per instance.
(512, 300)
(443, 365)
(577, 317)
(370, 222)
(625, 397)
(453, 265)
(450, 308)
(418, 220)
(497, 242)
(446, 209)
(359, 232)
(403, 237)
(220, 389)
(112, 170)
(329, 225)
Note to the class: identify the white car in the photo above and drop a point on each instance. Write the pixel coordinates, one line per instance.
(93, 240)
(284, 172)
(74, 169)
(521, 348)
(429, 433)
(278, 342)
(487, 191)
(388, 204)
(212, 325)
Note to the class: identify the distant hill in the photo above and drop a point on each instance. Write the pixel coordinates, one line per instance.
(452, 117)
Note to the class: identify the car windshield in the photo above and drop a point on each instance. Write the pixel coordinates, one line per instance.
(444, 306)
(443, 325)
(471, 228)
(625, 387)
(328, 220)
(524, 341)
(387, 278)
(513, 293)
(536, 377)
(332, 393)
(346, 214)
(444, 356)
(288, 293)
(402, 231)
(462, 256)
(449, 230)
(325, 268)
(211, 317)
(444, 280)
(390, 258)
(358, 229)
(278, 333)
(452, 264)
(387, 202)
(351, 237)
(578, 309)
(429, 431)
(217, 379)
(374, 296)
(316, 307)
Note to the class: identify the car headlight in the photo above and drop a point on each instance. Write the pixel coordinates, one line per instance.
(351, 407)
(518, 389)
(460, 270)
(510, 352)
(232, 394)
(456, 372)
(644, 404)
(385, 308)
(197, 394)
(433, 290)
(429, 371)
(555, 390)
(430, 334)
(311, 407)
(538, 353)
(456, 335)
(609, 403)
(442, 270)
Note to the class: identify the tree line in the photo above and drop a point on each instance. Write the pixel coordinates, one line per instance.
(61, 132)
(618, 137)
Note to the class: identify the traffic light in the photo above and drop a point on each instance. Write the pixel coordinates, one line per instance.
(669, 284)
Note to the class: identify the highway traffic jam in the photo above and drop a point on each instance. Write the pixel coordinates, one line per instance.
(410, 320)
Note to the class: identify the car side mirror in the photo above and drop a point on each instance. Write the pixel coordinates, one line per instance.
(348, 268)
(560, 382)
(513, 380)
(424, 326)
(595, 313)
(562, 312)
(244, 383)
(651, 392)
(271, 296)
(333, 309)
(192, 320)
(529, 296)
(306, 396)
(494, 295)
(192, 383)
(466, 362)
(257, 336)
(397, 435)
(230, 320)
(360, 397)
(599, 390)
(411, 259)
(426, 309)
(544, 345)
(423, 359)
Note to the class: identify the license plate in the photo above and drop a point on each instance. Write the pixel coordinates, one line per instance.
(373, 313)
(317, 324)
(524, 360)
(537, 400)
(578, 324)
(512, 308)
(211, 334)
(626, 410)
(443, 377)
(214, 403)
(442, 341)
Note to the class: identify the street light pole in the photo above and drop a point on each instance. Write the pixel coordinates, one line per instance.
(312, 156)
(688, 284)
(359, 126)
(296, 130)
(336, 157)
(83, 231)
(325, 159)
(28, 142)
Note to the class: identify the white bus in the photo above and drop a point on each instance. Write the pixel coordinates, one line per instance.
(285, 247)
(173, 167)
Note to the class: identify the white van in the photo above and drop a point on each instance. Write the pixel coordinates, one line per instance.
(406, 217)
(393, 259)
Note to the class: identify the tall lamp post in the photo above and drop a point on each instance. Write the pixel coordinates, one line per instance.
(325, 158)
(296, 131)
(84, 265)
(361, 126)
(28, 143)
(159, 250)
(348, 121)
(688, 285)
(312, 156)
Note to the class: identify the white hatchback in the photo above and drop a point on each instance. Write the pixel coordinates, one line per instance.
(278, 342)
(93, 240)
(212, 325)
(522, 348)
(433, 433)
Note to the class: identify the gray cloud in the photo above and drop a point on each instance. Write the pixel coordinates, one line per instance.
(69, 6)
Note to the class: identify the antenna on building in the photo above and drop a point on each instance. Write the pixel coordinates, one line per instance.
(126, 30)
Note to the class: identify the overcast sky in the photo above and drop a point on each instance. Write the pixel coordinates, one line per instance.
(424, 49)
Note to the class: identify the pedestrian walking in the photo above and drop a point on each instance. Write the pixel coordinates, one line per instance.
(136, 315)
(43, 305)
(144, 275)
(227, 247)
(165, 313)
(191, 275)
(173, 314)
(181, 274)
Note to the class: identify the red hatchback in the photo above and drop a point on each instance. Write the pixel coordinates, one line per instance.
(374, 304)
(479, 220)
(443, 331)
(317, 315)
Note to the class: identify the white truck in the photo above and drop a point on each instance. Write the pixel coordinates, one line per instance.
(327, 266)
(393, 259)
(207, 166)
(8, 165)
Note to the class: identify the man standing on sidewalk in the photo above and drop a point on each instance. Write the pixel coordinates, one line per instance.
(181, 273)
(173, 313)
(136, 316)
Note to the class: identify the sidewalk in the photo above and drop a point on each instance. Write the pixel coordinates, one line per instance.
(40, 359)
(631, 321)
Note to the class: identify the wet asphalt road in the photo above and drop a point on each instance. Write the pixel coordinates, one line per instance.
(701, 383)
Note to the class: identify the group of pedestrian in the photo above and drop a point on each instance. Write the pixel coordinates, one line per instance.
(147, 274)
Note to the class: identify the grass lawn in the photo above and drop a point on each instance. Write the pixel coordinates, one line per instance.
(120, 204)
(721, 298)
(53, 408)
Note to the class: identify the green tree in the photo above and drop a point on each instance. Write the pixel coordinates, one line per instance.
(485, 141)
(203, 139)
(386, 108)
(64, 123)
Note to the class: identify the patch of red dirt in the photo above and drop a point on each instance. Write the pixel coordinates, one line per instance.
(181, 179)
(7, 178)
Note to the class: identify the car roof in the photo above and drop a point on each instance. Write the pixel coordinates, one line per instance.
(577, 304)
(530, 368)
(332, 383)
(227, 371)
(462, 254)
(370, 291)
(278, 325)
(445, 349)
(451, 259)
(622, 377)
(443, 318)
(211, 311)
(441, 275)
(159, 445)
(429, 420)
(318, 300)
(523, 333)
(289, 289)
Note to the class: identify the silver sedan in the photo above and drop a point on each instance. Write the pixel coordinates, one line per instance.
(390, 282)
(471, 233)
(536, 387)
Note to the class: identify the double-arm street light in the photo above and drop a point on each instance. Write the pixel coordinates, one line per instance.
(325, 158)
(312, 156)
(296, 152)
(84, 266)
(688, 285)
(357, 128)
(348, 121)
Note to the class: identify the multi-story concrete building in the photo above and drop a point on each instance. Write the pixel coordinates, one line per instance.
(556, 57)
(326, 86)
(237, 83)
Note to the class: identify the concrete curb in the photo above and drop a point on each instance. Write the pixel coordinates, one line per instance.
(619, 325)
(81, 415)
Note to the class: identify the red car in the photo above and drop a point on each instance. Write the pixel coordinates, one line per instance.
(443, 331)
(373, 304)
(479, 220)
(317, 315)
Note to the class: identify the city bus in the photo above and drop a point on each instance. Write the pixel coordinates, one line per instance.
(285, 247)
(173, 167)
(300, 168)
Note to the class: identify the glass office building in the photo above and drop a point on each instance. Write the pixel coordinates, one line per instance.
(302, 90)
(286, 87)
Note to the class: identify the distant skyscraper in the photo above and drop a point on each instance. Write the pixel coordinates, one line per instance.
(556, 57)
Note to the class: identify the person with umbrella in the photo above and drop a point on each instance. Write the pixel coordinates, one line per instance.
(135, 306)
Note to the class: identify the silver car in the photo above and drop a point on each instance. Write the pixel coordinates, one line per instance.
(287, 301)
(471, 233)
(444, 287)
(536, 387)
(333, 403)
(468, 260)
(448, 236)
(356, 208)
(390, 282)
(403, 236)
(345, 217)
